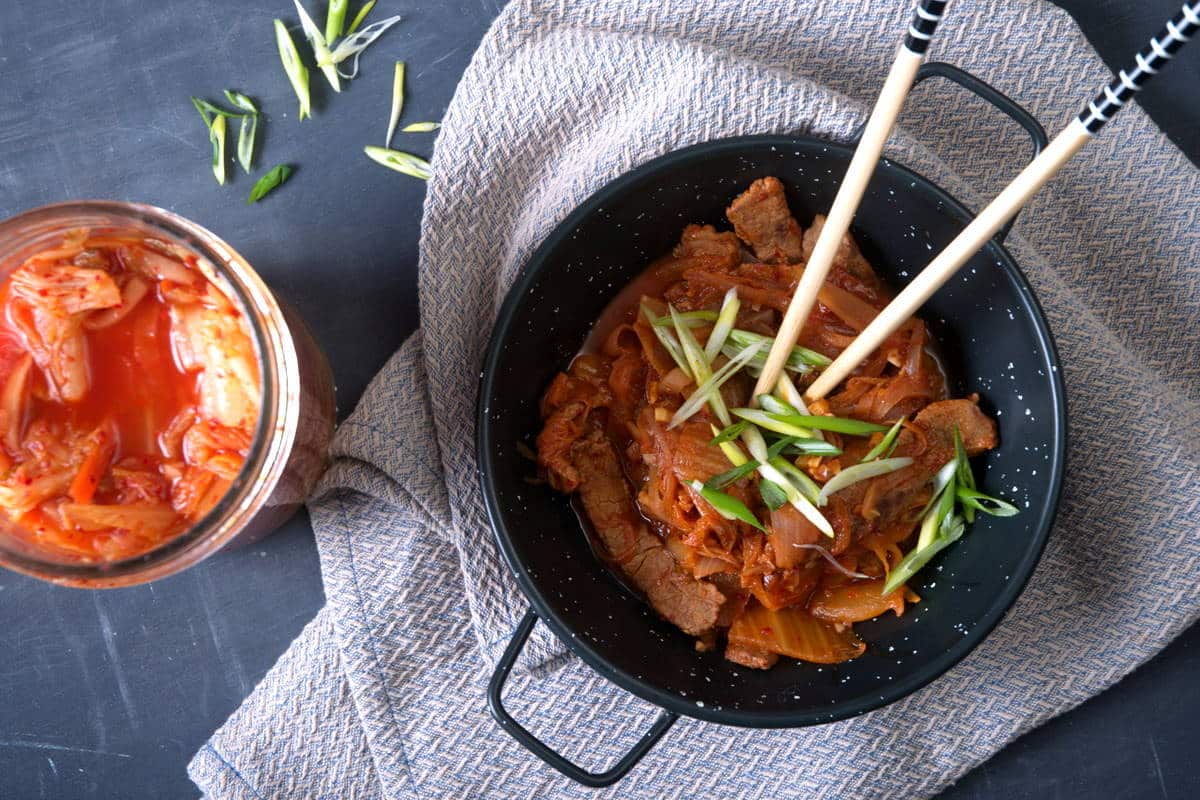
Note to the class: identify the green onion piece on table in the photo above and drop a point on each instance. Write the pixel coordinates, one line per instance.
(732, 476)
(397, 102)
(270, 181)
(335, 19)
(360, 16)
(320, 49)
(420, 127)
(216, 134)
(406, 163)
(886, 445)
(246, 130)
(208, 110)
(353, 45)
(725, 320)
(860, 472)
(728, 507)
(297, 73)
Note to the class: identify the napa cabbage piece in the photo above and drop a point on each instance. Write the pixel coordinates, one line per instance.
(214, 341)
(143, 519)
(793, 632)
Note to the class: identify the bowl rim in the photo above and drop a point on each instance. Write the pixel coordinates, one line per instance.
(877, 698)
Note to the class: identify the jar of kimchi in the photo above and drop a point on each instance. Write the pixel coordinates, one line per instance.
(157, 402)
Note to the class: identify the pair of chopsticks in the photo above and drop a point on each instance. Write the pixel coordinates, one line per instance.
(1111, 99)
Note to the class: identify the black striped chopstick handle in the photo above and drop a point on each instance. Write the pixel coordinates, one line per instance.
(926, 17)
(1147, 64)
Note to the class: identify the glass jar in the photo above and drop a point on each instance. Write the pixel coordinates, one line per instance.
(291, 441)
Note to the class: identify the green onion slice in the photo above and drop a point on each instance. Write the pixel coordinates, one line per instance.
(727, 506)
(772, 494)
(239, 100)
(691, 348)
(729, 433)
(693, 319)
(397, 102)
(208, 111)
(360, 16)
(801, 359)
(940, 510)
(797, 498)
(269, 182)
(246, 130)
(773, 405)
(401, 162)
(803, 447)
(918, 558)
(708, 392)
(860, 472)
(335, 19)
(725, 321)
(731, 476)
(977, 500)
(886, 445)
(354, 44)
(297, 73)
(216, 135)
(772, 422)
(420, 127)
(667, 339)
(731, 450)
(319, 47)
(853, 427)
(787, 391)
(797, 477)
(963, 472)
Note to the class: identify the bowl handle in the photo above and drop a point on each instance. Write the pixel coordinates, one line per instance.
(983, 91)
(539, 748)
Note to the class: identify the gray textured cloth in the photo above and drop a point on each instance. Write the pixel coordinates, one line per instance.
(382, 696)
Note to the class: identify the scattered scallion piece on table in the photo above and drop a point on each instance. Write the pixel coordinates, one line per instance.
(360, 16)
(297, 73)
(208, 110)
(727, 506)
(269, 182)
(420, 127)
(319, 47)
(397, 102)
(725, 321)
(406, 163)
(354, 44)
(216, 134)
(886, 445)
(247, 129)
(860, 472)
(335, 19)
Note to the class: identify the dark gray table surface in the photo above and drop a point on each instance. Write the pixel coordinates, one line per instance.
(107, 695)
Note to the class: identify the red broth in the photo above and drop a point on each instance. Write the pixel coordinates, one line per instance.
(129, 394)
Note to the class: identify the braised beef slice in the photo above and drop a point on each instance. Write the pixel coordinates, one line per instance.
(847, 257)
(691, 605)
(762, 220)
(705, 241)
(751, 657)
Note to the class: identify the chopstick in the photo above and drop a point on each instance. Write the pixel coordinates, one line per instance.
(879, 126)
(1078, 132)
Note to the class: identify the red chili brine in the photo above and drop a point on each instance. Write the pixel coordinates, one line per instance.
(156, 401)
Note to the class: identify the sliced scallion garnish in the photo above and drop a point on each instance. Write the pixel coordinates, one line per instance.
(886, 445)
(731, 476)
(420, 127)
(773, 405)
(978, 501)
(787, 391)
(397, 102)
(354, 44)
(798, 477)
(270, 181)
(693, 319)
(406, 163)
(216, 135)
(796, 445)
(918, 558)
(771, 422)
(320, 49)
(360, 16)
(860, 472)
(708, 392)
(246, 130)
(692, 350)
(800, 356)
(725, 321)
(853, 427)
(727, 506)
(773, 494)
(335, 19)
(297, 73)
(667, 339)
(730, 433)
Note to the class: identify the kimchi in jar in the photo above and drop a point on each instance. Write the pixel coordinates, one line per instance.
(156, 402)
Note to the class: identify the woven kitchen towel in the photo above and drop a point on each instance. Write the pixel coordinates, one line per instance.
(383, 694)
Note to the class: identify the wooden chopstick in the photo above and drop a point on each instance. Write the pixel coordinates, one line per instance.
(1079, 132)
(879, 126)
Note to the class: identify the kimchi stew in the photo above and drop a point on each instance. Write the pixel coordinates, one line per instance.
(130, 395)
(759, 524)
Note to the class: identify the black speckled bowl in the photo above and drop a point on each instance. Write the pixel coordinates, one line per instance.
(995, 340)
